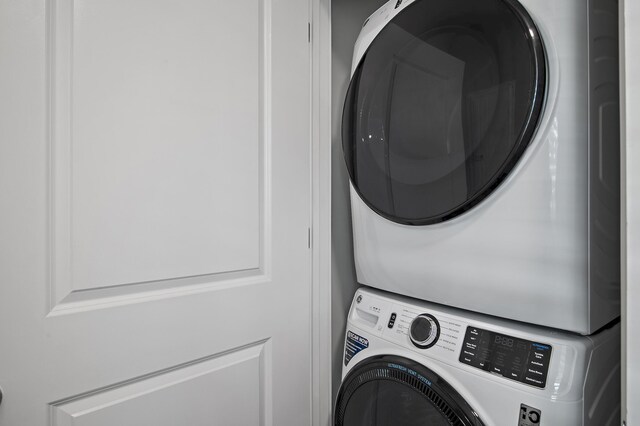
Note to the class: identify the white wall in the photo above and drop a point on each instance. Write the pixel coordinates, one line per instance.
(347, 19)
(631, 210)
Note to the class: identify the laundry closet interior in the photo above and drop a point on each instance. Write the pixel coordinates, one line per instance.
(559, 278)
(319, 212)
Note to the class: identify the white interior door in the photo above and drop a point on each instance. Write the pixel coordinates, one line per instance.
(154, 213)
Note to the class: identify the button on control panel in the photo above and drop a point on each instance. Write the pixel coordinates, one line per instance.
(516, 359)
(392, 320)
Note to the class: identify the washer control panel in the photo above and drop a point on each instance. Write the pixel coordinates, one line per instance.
(424, 331)
(511, 357)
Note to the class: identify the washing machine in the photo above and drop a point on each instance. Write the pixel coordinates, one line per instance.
(409, 362)
(482, 143)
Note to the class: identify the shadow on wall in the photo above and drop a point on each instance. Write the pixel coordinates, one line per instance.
(347, 17)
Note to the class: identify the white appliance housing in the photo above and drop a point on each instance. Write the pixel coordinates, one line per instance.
(541, 243)
(582, 377)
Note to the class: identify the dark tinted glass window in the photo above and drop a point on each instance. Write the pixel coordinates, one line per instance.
(442, 106)
(387, 403)
(389, 390)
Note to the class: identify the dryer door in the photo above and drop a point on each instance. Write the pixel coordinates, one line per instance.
(391, 391)
(442, 106)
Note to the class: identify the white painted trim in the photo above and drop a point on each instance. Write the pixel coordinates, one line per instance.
(630, 209)
(623, 216)
(321, 203)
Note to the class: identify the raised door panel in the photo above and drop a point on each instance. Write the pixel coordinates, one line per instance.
(158, 154)
(225, 390)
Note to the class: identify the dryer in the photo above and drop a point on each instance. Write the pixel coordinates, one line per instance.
(482, 143)
(408, 362)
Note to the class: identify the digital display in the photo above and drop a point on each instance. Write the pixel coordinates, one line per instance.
(503, 340)
(516, 359)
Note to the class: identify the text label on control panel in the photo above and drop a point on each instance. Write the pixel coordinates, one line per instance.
(516, 359)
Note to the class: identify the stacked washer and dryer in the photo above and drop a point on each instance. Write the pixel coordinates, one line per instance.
(482, 143)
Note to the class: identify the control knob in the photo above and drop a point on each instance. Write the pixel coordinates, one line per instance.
(424, 331)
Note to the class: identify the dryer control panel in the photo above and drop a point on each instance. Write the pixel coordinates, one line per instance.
(511, 357)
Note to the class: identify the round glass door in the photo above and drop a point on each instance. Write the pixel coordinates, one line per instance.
(442, 106)
(392, 391)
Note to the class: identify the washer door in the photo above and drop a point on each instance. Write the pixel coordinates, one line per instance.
(391, 391)
(442, 106)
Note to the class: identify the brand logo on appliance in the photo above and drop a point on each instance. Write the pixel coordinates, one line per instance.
(529, 416)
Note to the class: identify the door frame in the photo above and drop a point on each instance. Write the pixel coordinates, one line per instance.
(630, 208)
(320, 233)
